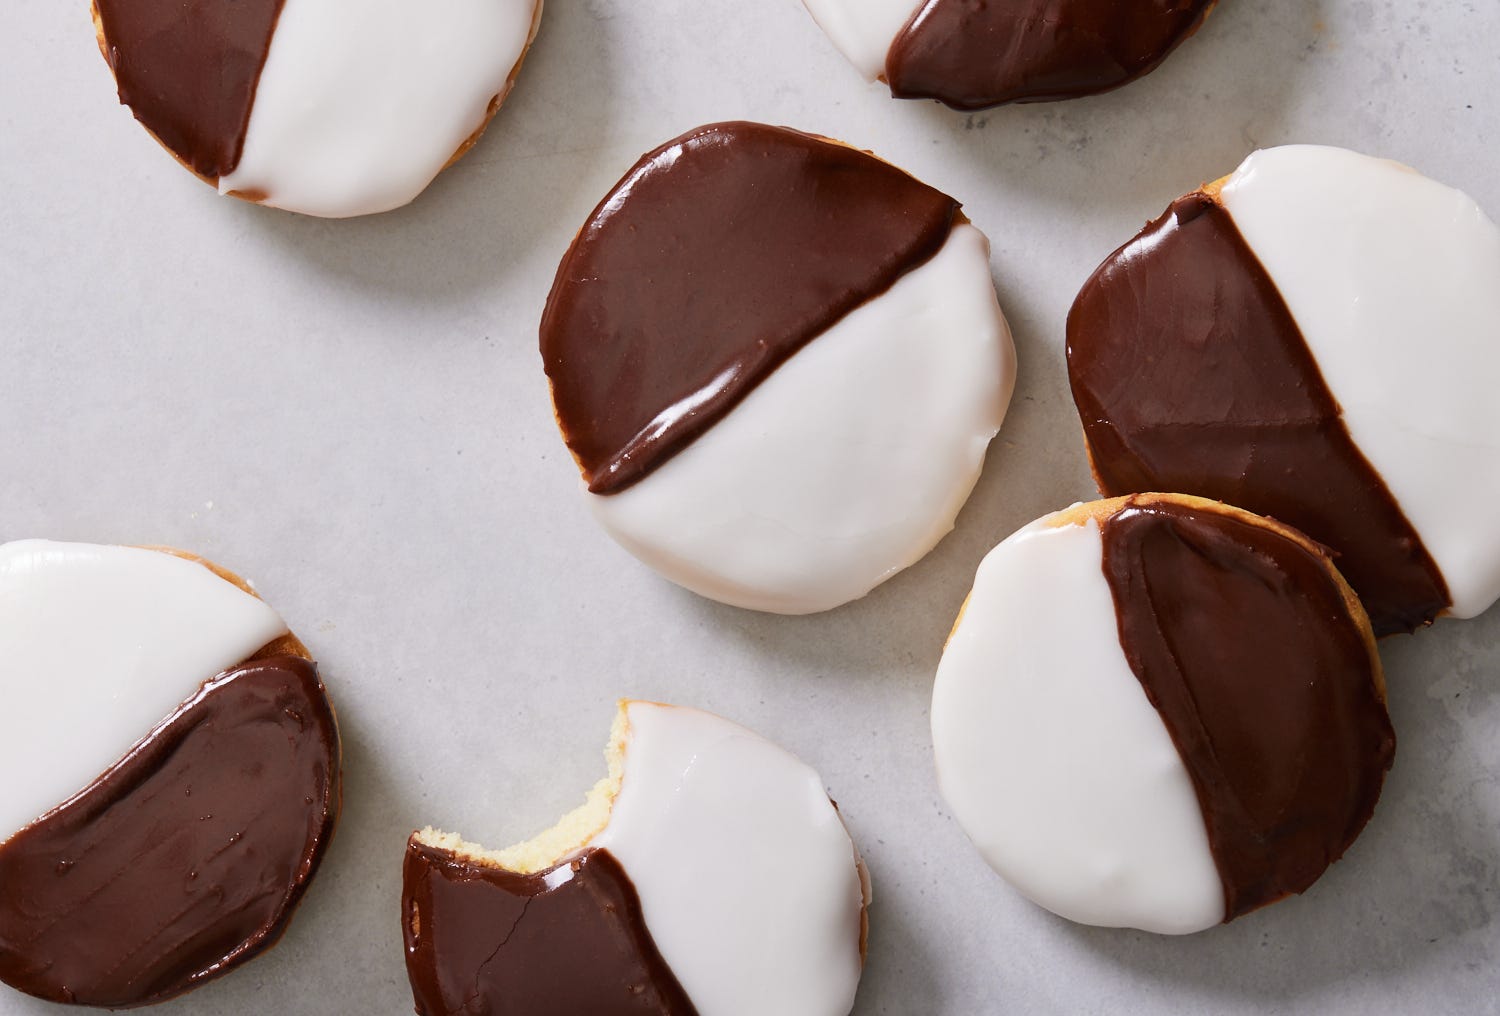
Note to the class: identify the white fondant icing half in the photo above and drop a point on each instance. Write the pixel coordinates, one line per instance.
(1394, 281)
(845, 465)
(99, 645)
(1051, 756)
(864, 30)
(361, 103)
(745, 871)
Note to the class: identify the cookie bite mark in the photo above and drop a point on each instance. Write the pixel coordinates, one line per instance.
(189, 71)
(564, 941)
(667, 310)
(709, 871)
(972, 54)
(1245, 643)
(184, 859)
(1191, 374)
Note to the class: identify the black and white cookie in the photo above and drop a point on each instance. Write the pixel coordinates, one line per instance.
(1313, 339)
(707, 875)
(972, 54)
(778, 362)
(1159, 712)
(181, 773)
(326, 107)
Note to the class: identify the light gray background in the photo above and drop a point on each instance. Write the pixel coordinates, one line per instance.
(353, 414)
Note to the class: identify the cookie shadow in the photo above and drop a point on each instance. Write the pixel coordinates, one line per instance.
(899, 963)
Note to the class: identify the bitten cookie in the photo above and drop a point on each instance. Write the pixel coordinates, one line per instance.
(1160, 712)
(971, 54)
(325, 107)
(1313, 339)
(778, 362)
(181, 773)
(707, 874)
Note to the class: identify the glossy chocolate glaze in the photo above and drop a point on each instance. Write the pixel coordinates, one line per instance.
(185, 859)
(971, 54)
(1190, 375)
(567, 941)
(1246, 646)
(717, 257)
(188, 69)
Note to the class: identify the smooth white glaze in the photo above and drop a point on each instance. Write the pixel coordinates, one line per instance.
(362, 102)
(99, 645)
(864, 30)
(1394, 281)
(745, 871)
(849, 462)
(1052, 758)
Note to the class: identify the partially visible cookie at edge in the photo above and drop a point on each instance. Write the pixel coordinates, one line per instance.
(970, 54)
(332, 109)
(183, 776)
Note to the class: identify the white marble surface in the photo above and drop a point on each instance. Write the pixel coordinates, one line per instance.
(353, 414)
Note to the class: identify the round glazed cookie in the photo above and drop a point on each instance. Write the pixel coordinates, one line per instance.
(707, 874)
(181, 766)
(327, 108)
(1160, 712)
(778, 362)
(1312, 338)
(972, 54)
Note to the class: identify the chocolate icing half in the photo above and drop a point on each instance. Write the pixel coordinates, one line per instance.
(1246, 646)
(188, 69)
(1191, 375)
(567, 941)
(717, 257)
(187, 857)
(970, 54)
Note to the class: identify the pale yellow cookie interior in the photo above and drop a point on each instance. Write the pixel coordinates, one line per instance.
(569, 836)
